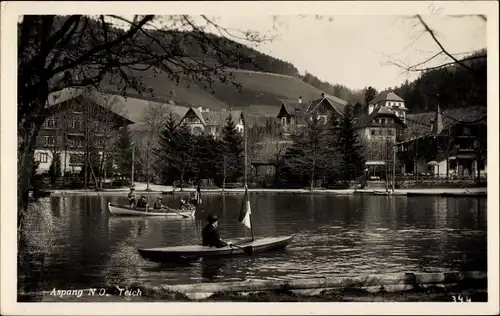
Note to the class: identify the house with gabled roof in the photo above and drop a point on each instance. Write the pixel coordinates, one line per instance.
(212, 122)
(294, 113)
(325, 106)
(389, 100)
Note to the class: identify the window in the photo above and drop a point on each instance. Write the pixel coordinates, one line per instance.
(76, 159)
(373, 132)
(49, 140)
(390, 132)
(42, 157)
(383, 121)
(50, 123)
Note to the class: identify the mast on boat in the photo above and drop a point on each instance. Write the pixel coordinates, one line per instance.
(247, 202)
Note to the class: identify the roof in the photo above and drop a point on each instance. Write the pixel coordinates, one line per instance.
(293, 107)
(197, 113)
(337, 103)
(451, 116)
(131, 108)
(364, 120)
(218, 118)
(386, 96)
(420, 124)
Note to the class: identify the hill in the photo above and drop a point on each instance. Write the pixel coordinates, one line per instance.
(263, 79)
(257, 88)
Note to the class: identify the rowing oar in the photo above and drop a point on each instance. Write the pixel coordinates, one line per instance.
(171, 209)
(248, 250)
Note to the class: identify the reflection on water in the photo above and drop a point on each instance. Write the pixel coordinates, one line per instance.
(83, 246)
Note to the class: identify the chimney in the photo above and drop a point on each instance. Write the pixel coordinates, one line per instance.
(200, 109)
(322, 94)
(300, 99)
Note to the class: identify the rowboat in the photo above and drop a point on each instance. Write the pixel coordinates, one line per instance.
(195, 252)
(122, 210)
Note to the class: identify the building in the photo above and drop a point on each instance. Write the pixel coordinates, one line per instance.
(84, 116)
(78, 119)
(389, 100)
(379, 131)
(293, 114)
(449, 143)
(212, 122)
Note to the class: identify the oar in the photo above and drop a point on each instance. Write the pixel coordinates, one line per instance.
(248, 250)
(168, 209)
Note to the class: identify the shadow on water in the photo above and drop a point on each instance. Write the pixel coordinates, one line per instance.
(82, 245)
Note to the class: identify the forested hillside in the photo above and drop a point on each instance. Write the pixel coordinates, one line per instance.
(451, 87)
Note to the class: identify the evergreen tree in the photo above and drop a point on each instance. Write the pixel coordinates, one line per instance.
(176, 152)
(352, 161)
(308, 158)
(370, 94)
(123, 157)
(208, 153)
(233, 163)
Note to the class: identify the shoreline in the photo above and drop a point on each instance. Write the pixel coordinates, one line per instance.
(445, 192)
(442, 286)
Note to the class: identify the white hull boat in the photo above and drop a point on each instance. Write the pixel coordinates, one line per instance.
(122, 210)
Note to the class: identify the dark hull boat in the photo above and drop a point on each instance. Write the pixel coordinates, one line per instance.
(195, 252)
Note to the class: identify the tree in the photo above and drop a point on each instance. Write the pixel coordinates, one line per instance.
(233, 150)
(308, 155)
(370, 94)
(352, 161)
(146, 139)
(75, 51)
(123, 157)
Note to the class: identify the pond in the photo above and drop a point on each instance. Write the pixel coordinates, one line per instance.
(79, 245)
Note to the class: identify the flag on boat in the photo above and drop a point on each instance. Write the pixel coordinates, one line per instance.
(245, 212)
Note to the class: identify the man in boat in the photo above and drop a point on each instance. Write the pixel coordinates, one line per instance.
(210, 234)
(192, 198)
(131, 197)
(185, 205)
(158, 205)
(142, 202)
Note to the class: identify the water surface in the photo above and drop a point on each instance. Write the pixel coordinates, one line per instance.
(82, 246)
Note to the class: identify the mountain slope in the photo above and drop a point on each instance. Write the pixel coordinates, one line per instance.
(257, 88)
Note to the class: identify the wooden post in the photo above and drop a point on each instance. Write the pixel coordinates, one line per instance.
(246, 164)
(133, 159)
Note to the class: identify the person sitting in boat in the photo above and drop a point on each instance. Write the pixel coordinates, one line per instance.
(185, 205)
(193, 198)
(210, 234)
(158, 205)
(131, 197)
(142, 202)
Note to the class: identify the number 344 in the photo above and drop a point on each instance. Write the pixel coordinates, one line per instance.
(461, 299)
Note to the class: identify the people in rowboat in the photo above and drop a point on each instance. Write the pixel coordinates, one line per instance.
(158, 205)
(210, 234)
(142, 202)
(131, 197)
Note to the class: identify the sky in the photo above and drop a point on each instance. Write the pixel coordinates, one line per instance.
(357, 51)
